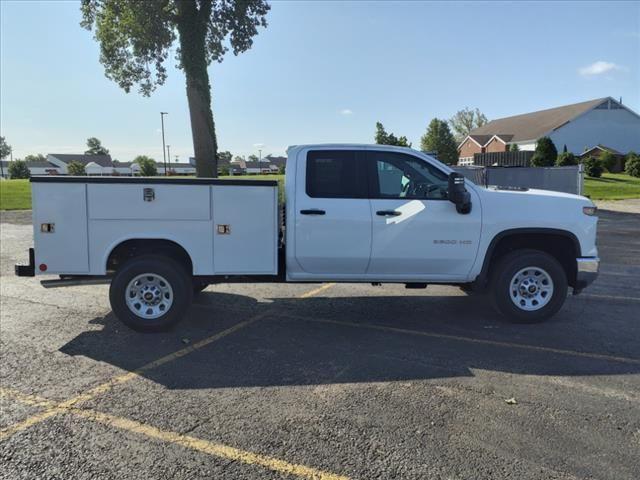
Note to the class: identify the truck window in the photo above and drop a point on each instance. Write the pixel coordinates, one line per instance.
(335, 174)
(397, 175)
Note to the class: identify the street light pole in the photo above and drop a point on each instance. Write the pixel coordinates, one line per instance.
(164, 153)
(169, 155)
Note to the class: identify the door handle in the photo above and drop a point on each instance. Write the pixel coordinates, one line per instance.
(388, 213)
(312, 211)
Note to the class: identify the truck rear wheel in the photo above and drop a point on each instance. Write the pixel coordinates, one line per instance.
(151, 293)
(529, 286)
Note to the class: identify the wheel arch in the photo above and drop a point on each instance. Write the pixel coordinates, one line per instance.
(125, 249)
(561, 244)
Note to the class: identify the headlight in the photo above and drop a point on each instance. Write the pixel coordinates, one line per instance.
(591, 211)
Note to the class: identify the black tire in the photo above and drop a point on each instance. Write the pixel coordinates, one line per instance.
(199, 286)
(505, 295)
(176, 276)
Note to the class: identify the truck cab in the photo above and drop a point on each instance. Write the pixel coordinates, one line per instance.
(352, 213)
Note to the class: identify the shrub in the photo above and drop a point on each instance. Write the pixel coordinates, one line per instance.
(592, 167)
(76, 169)
(147, 165)
(632, 165)
(607, 160)
(545, 154)
(566, 159)
(18, 169)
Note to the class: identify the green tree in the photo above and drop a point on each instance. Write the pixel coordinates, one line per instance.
(252, 158)
(148, 166)
(384, 138)
(225, 157)
(18, 169)
(76, 169)
(592, 167)
(545, 154)
(439, 139)
(5, 151)
(466, 120)
(566, 159)
(136, 39)
(607, 160)
(38, 157)
(632, 164)
(94, 147)
(514, 147)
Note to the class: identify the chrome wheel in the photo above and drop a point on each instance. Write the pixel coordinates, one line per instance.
(149, 296)
(531, 289)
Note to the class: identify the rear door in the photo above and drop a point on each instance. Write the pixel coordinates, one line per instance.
(416, 229)
(332, 213)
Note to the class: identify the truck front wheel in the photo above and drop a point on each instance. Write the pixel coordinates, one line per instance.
(151, 293)
(529, 286)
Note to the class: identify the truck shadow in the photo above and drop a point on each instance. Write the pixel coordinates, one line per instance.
(329, 340)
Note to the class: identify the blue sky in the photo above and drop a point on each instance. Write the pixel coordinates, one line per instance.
(321, 72)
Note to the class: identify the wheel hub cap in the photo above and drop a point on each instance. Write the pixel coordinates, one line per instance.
(531, 288)
(149, 296)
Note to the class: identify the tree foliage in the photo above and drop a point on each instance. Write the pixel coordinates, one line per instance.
(5, 148)
(514, 147)
(18, 169)
(566, 159)
(148, 166)
(252, 158)
(592, 167)
(439, 139)
(136, 38)
(76, 169)
(632, 164)
(225, 157)
(94, 147)
(384, 138)
(607, 160)
(38, 157)
(466, 120)
(545, 154)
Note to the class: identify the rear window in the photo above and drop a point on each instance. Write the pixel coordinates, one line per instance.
(335, 174)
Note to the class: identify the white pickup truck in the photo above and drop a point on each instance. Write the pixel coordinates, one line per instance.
(354, 213)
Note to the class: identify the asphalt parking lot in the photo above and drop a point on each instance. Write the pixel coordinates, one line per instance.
(322, 381)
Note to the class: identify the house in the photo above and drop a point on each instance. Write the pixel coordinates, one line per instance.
(35, 168)
(599, 150)
(99, 162)
(603, 121)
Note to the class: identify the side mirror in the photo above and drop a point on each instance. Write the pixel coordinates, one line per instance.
(458, 194)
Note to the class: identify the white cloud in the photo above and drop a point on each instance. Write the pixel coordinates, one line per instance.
(598, 68)
(346, 111)
(258, 145)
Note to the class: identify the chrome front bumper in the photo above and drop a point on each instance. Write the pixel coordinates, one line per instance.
(587, 272)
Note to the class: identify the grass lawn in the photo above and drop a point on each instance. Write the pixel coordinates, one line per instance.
(16, 194)
(612, 186)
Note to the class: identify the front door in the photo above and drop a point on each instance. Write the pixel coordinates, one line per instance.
(416, 229)
(332, 213)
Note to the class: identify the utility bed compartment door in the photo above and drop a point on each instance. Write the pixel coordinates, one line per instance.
(245, 230)
(62, 243)
(113, 201)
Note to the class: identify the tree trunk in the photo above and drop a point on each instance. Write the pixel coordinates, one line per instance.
(192, 29)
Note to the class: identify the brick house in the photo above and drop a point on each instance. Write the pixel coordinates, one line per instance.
(603, 121)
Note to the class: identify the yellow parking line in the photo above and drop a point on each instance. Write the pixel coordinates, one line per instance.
(120, 379)
(610, 297)
(204, 446)
(317, 290)
(210, 448)
(497, 343)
